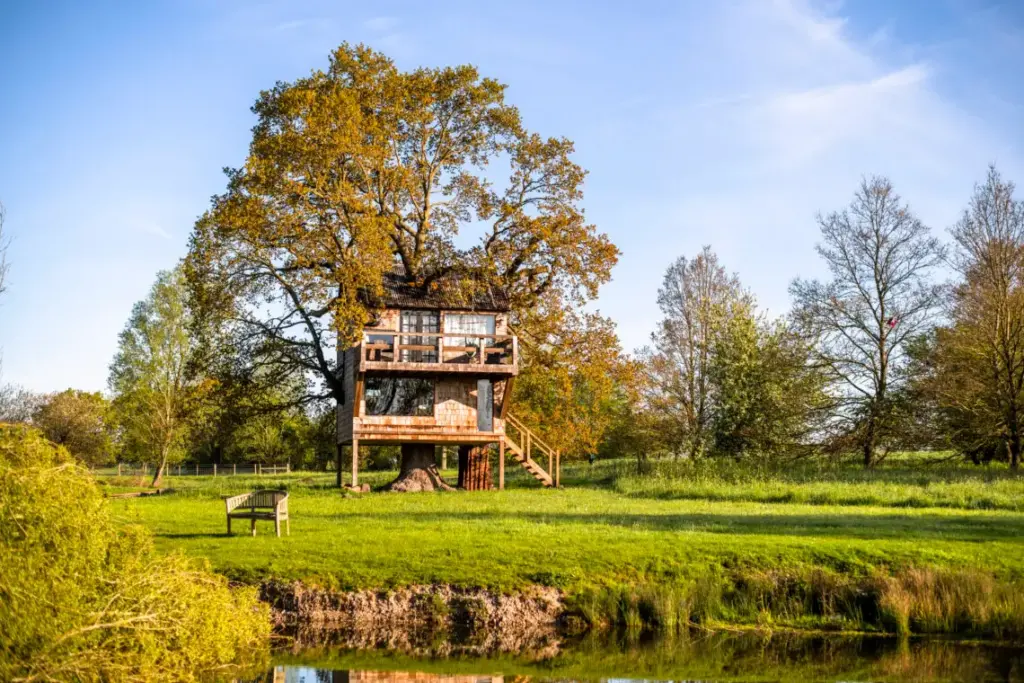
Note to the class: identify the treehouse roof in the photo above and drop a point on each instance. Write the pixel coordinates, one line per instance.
(450, 292)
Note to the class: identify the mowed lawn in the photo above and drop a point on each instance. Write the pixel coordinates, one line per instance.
(587, 534)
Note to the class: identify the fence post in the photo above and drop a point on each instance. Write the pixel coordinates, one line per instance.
(234, 468)
(119, 469)
(287, 468)
(215, 469)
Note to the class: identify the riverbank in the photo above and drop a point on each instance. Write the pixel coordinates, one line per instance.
(618, 554)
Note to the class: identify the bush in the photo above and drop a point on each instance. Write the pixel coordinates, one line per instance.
(83, 597)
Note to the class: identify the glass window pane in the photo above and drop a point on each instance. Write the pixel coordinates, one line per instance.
(399, 396)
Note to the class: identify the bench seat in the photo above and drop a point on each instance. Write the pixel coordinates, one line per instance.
(271, 506)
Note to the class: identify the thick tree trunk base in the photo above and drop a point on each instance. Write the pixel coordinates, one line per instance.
(475, 468)
(418, 471)
(158, 478)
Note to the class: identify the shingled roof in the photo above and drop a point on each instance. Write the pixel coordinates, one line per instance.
(450, 292)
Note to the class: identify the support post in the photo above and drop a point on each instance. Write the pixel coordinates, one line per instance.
(501, 464)
(339, 451)
(355, 462)
(558, 469)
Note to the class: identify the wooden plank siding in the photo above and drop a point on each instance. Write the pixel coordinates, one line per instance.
(454, 419)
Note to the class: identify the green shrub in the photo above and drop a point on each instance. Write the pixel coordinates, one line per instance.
(84, 598)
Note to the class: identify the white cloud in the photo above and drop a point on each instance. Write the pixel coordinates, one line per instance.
(380, 24)
(791, 112)
(154, 229)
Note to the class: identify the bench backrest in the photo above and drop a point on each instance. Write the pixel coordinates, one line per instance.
(275, 500)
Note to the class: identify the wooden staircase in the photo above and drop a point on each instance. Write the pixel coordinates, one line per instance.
(524, 445)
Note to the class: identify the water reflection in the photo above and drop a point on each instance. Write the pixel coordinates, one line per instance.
(709, 658)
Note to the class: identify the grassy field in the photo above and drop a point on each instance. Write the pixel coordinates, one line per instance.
(776, 543)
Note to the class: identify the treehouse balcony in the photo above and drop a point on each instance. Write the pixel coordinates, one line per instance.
(438, 353)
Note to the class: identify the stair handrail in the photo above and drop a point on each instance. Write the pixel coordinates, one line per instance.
(534, 439)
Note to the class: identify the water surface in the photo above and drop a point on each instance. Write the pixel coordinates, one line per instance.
(714, 658)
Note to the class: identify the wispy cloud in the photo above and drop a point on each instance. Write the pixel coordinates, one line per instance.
(156, 230)
(381, 24)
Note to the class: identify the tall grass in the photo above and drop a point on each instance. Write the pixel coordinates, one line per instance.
(900, 482)
(916, 600)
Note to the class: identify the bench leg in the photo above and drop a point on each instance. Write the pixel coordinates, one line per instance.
(252, 526)
(288, 526)
(229, 525)
(277, 527)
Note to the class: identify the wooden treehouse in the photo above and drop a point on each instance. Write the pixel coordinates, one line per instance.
(436, 368)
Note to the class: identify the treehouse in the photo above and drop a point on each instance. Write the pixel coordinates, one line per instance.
(436, 368)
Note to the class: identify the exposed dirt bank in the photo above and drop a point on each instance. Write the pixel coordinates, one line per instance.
(411, 619)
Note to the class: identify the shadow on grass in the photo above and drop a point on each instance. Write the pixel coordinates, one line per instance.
(222, 534)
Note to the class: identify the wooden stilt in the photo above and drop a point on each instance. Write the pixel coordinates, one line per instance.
(355, 462)
(501, 464)
(338, 466)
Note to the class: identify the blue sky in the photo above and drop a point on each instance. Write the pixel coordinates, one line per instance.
(726, 123)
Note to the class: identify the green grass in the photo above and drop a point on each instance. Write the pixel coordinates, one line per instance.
(769, 540)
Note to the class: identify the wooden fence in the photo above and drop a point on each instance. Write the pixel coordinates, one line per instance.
(195, 470)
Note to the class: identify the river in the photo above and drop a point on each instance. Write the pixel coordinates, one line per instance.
(711, 658)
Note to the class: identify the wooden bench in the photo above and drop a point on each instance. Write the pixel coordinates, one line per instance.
(268, 505)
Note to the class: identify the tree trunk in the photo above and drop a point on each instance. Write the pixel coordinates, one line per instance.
(1014, 448)
(869, 444)
(418, 471)
(158, 477)
(474, 468)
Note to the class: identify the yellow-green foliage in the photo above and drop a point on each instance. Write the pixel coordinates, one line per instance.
(83, 597)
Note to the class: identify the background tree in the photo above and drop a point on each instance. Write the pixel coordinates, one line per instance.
(17, 404)
(156, 397)
(81, 422)
(979, 358)
(363, 166)
(769, 397)
(697, 297)
(879, 256)
(573, 387)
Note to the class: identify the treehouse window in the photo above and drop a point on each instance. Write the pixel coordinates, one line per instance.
(424, 348)
(399, 396)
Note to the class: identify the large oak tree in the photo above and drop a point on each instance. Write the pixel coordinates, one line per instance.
(361, 166)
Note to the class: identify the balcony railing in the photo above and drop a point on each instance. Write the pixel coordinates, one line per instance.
(458, 350)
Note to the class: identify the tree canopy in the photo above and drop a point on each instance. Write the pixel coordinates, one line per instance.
(361, 167)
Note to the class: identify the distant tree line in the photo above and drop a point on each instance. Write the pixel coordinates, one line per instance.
(881, 356)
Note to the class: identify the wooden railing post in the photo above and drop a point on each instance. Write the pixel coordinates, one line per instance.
(558, 469)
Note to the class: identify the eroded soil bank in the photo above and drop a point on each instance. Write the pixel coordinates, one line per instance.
(484, 621)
